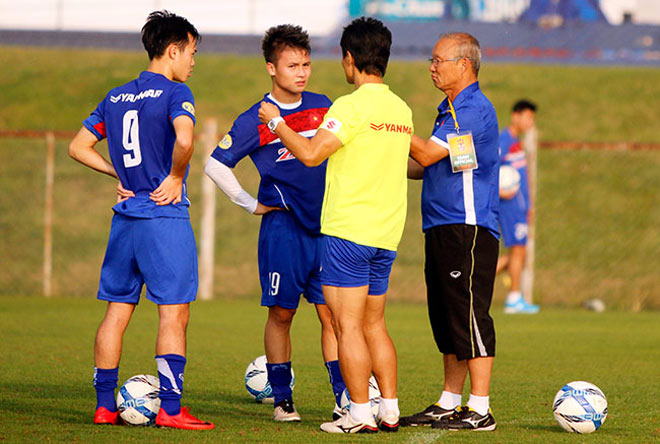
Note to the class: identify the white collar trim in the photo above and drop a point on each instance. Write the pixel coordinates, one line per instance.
(293, 105)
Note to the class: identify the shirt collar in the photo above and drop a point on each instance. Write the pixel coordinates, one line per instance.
(460, 98)
(286, 106)
(374, 86)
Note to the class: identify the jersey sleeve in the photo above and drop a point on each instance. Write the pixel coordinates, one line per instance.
(95, 123)
(342, 120)
(182, 103)
(325, 101)
(444, 126)
(241, 140)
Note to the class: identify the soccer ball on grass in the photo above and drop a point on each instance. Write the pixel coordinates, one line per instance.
(374, 397)
(580, 407)
(256, 381)
(137, 401)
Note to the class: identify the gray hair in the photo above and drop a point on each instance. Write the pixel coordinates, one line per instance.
(466, 46)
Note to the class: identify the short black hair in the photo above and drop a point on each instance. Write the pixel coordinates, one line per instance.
(164, 28)
(280, 37)
(369, 41)
(523, 104)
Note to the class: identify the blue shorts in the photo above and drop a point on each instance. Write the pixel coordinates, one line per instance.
(513, 221)
(158, 252)
(347, 264)
(289, 262)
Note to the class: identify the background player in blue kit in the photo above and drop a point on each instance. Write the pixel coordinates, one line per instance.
(289, 200)
(516, 211)
(149, 126)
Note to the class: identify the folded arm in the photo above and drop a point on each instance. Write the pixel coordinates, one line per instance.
(311, 152)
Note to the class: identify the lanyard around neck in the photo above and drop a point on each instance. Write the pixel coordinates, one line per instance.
(453, 115)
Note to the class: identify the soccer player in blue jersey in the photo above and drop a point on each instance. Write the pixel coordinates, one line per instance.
(365, 137)
(289, 201)
(460, 200)
(149, 126)
(516, 210)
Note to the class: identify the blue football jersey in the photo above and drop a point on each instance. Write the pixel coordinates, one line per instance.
(137, 120)
(285, 181)
(469, 197)
(513, 154)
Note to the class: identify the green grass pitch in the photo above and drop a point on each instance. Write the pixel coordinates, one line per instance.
(597, 211)
(46, 373)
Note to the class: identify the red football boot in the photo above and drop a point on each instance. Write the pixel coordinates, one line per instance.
(105, 416)
(184, 420)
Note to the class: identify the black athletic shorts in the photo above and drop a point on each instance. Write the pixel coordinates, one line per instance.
(460, 272)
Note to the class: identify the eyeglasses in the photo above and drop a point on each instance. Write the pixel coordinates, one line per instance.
(436, 61)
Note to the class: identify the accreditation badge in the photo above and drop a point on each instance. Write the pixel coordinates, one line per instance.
(462, 154)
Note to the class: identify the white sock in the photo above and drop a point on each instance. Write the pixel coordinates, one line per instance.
(513, 297)
(449, 400)
(479, 404)
(388, 406)
(361, 412)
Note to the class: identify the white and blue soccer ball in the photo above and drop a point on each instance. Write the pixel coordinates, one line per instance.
(509, 182)
(374, 397)
(256, 381)
(580, 407)
(137, 401)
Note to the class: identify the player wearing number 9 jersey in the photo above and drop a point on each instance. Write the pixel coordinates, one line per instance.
(149, 126)
(137, 119)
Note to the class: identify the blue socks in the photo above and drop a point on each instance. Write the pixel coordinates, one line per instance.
(170, 373)
(105, 383)
(279, 377)
(336, 380)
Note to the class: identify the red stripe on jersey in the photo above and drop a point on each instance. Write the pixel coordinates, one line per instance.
(309, 119)
(515, 147)
(100, 127)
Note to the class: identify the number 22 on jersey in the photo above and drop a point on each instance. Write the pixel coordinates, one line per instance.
(131, 139)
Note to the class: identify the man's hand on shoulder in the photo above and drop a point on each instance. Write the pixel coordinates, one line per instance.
(268, 111)
(169, 191)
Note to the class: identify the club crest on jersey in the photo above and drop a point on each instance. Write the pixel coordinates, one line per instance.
(188, 107)
(332, 125)
(284, 154)
(226, 142)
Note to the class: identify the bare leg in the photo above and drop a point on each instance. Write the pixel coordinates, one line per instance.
(455, 373)
(381, 348)
(172, 325)
(277, 340)
(480, 371)
(516, 264)
(348, 305)
(328, 336)
(108, 342)
(502, 263)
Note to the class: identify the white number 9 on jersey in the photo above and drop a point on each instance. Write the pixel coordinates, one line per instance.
(131, 139)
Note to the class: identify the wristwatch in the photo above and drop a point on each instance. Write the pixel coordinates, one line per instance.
(272, 123)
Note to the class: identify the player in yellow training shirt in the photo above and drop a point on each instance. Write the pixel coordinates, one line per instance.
(366, 138)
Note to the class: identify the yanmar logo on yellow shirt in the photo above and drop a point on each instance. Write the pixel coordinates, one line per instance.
(391, 127)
